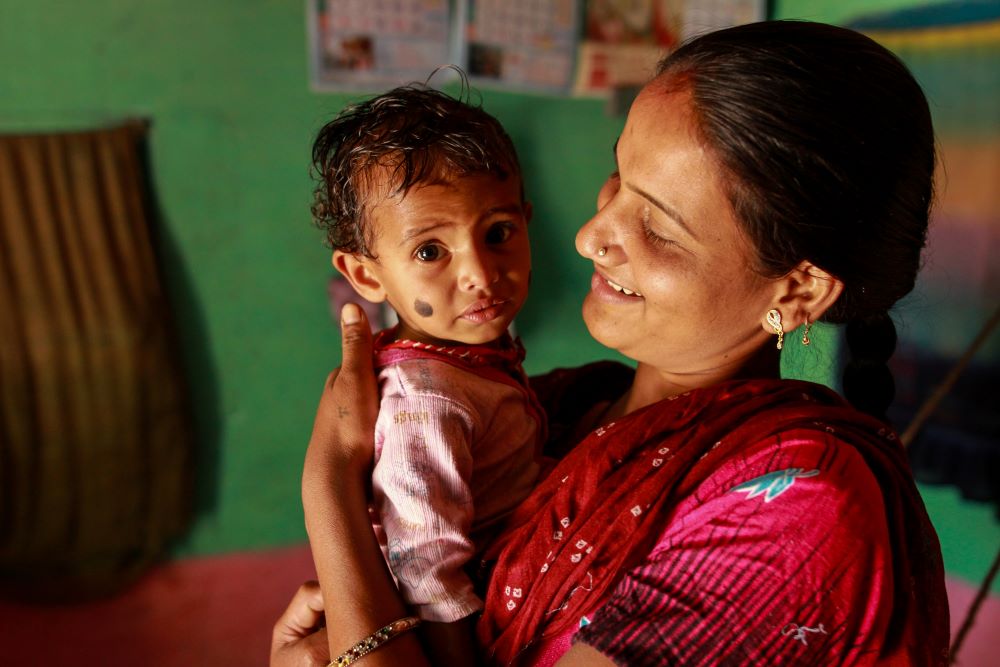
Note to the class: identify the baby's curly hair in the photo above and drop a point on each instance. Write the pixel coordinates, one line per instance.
(420, 134)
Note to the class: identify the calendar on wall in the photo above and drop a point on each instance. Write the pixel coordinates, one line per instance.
(522, 44)
(561, 47)
(376, 44)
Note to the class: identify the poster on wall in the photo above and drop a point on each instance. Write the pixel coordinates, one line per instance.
(624, 39)
(521, 44)
(582, 47)
(702, 16)
(373, 45)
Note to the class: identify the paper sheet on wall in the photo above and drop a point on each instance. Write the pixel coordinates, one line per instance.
(521, 44)
(624, 39)
(586, 47)
(375, 44)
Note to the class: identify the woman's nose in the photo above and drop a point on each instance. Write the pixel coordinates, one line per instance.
(607, 192)
(595, 239)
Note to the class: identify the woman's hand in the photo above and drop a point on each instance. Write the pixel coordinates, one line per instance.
(343, 436)
(298, 640)
(335, 479)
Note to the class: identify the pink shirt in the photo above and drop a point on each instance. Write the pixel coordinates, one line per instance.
(454, 454)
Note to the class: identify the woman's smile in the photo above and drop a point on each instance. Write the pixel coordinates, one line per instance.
(608, 289)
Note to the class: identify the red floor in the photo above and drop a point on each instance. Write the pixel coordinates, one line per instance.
(219, 612)
(208, 611)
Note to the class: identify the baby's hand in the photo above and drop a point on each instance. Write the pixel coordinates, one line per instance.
(343, 434)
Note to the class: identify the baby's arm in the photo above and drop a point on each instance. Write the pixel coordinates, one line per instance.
(422, 492)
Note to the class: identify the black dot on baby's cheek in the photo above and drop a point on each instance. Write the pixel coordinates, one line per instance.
(423, 308)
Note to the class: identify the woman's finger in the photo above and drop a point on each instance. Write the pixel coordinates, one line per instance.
(354, 387)
(355, 384)
(301, 618)
(345, 421)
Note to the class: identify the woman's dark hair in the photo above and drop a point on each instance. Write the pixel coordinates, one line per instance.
(421, 134)
(829, 148)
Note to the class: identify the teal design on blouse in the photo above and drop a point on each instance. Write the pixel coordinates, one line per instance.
(773, 484)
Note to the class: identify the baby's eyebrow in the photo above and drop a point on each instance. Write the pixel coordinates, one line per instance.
(414, 232)
(512, 209)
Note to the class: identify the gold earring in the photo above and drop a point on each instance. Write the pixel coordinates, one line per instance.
(805, 334)
(602, 251)
(774, 319)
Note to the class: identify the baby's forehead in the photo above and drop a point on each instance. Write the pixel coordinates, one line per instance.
(455, 201)
(388, 181)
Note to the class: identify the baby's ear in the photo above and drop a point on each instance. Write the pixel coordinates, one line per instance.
(362, 273)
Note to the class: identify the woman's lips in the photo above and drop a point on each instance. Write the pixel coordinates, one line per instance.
(485, 310)
(611, 291)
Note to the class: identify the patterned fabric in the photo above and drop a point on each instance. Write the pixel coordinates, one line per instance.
(456, 449)
(646, 535)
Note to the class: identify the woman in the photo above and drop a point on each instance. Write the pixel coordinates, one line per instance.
(705, 511)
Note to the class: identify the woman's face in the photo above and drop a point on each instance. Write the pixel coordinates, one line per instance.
(675, 288)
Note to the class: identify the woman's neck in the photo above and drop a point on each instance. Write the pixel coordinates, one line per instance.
(652, 385)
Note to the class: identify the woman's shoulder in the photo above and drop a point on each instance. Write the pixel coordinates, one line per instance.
(813, 460)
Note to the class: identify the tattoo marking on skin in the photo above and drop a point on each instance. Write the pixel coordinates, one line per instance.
(798, 632)
(342, 411)
(423, 308)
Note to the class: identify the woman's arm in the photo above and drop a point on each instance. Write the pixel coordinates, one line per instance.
(359, 593)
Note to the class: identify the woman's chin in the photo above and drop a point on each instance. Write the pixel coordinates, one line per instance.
(601, 328)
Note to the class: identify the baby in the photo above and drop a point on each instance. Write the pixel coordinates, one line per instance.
(422, 200)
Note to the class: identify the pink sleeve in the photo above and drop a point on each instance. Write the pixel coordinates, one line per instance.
(421, 485)
(782, 557)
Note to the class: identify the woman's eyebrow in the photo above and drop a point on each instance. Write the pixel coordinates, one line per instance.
(669, 211)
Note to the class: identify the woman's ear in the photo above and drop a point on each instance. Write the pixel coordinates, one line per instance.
(361, 272)
(805, 293)
(528, 210)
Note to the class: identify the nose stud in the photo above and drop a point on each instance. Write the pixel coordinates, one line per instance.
(602, 251)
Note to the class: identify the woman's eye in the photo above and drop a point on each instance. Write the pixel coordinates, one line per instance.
(428, 253)
(499, 233)
(655, 238)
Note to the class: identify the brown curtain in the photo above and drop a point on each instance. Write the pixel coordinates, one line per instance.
(95, 435)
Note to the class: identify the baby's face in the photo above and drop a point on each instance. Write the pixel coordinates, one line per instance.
(453, 257)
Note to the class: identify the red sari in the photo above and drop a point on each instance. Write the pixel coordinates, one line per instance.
(602, 509)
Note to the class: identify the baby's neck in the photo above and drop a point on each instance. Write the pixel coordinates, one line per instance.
(403, 331)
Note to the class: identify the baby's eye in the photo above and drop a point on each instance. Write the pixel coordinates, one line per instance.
(428, 253)
(499, 233)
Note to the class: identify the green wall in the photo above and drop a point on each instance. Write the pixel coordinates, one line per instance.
(225, 84)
